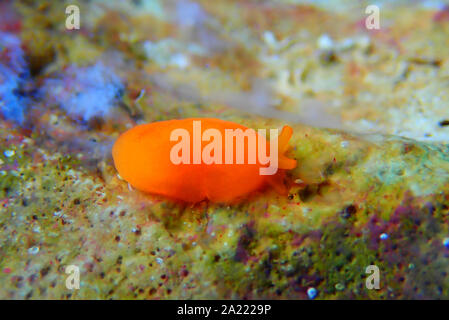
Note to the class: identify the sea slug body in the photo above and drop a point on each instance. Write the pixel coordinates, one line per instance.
(143, 156)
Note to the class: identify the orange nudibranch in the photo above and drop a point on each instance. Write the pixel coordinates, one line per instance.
(196, 159)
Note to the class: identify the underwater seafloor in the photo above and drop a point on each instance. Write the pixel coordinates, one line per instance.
(372, 190)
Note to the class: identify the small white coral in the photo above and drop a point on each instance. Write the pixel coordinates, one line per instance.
(86, 92)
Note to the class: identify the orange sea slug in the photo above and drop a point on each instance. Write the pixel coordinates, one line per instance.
(143, 157)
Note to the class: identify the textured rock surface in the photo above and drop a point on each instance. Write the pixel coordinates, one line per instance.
(359, 200)
(57, 212)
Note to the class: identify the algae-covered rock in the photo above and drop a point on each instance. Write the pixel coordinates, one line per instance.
(355, 207)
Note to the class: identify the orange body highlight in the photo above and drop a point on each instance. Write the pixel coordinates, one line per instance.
(142, 157)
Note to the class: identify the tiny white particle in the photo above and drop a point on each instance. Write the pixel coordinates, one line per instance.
(269, 38)
(159, 261)
(446, 242)
(180, 60)
(141, 94)
(325, 42)
(347, 43)
(383, 236)
(9, 153)
(33, 250)
(312, 293)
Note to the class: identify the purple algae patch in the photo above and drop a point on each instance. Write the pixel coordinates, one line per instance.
(13, 74)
